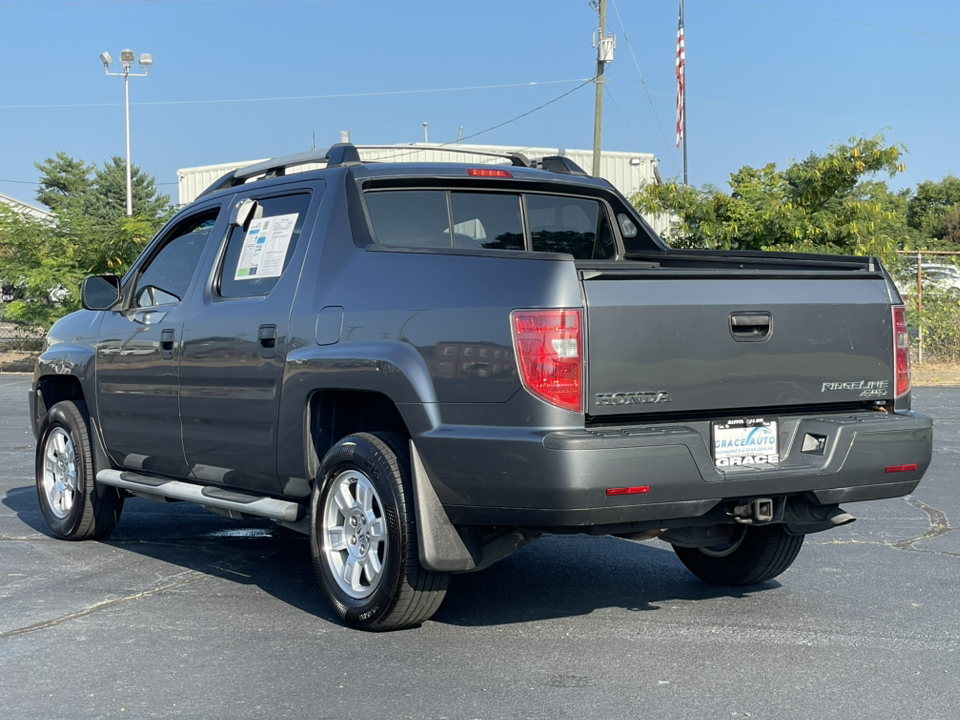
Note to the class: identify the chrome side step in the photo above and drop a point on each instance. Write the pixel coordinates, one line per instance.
(206, 495)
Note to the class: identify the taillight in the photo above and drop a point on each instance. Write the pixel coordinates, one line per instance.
(549, 347)
(901, 343)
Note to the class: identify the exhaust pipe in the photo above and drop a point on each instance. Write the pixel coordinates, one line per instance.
(802, 517)
(838, 517)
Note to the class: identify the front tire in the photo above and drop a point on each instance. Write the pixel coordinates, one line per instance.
(363, 536)
(759, 553)
(73, 506)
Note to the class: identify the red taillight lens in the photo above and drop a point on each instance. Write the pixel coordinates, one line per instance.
(902, 468)
(901, 344)
(636, 490)
(549, 346)
(489, 172)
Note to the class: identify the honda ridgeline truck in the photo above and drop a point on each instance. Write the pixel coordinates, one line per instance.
(425, 366)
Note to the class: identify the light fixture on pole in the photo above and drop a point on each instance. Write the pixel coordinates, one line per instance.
(126, 60)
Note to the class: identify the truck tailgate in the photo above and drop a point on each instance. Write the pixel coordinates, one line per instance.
(664, 342)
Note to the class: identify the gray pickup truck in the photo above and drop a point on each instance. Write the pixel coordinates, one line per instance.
(425, 366)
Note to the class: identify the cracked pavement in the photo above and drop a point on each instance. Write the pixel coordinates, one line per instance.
(185, 614)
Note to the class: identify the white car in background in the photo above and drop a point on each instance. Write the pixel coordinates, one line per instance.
(936, 276)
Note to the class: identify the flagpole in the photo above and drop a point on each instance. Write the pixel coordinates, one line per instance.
(684, 104)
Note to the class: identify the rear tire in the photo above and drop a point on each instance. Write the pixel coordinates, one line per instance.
(73, 506)
(363, 536)
(758, 554)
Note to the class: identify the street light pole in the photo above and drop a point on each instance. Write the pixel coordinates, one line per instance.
(126, 60)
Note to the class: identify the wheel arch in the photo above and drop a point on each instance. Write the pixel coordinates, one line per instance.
(332, 414)
(51, 388)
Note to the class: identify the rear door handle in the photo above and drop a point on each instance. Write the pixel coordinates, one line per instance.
(267, 338)
(751, 326)
(166, 344)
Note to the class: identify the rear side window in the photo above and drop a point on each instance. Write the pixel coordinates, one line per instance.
(258, 252)
(577, 226)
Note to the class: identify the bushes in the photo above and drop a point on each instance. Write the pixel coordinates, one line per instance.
(940, 325)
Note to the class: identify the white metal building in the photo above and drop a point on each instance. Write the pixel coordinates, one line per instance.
(25, 208)
(627, 171)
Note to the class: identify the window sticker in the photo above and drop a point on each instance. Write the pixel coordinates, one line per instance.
(265, 247)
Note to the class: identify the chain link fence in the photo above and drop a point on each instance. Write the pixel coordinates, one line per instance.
(17, 337)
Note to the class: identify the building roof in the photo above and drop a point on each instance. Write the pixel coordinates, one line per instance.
(25, 208)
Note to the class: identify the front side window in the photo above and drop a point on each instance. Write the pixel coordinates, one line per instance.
(259, 251)
(166, 278)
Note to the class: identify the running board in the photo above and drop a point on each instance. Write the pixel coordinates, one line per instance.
(206, 495)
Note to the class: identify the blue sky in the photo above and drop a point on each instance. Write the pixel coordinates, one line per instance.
(242, 79)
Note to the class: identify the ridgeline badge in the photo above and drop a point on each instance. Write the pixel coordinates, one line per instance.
(868, 388)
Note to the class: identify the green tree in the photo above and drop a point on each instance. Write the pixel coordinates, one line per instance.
(821, 204)
(108, 199)
(64, 183)
(930, 204)
(47, 261)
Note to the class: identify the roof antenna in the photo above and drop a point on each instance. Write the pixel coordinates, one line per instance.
(425, 140)
(313, 143)
(460, 136)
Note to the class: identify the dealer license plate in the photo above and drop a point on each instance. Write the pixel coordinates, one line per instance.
(745, 441)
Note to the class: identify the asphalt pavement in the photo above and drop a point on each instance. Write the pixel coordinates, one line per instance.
(185, 614)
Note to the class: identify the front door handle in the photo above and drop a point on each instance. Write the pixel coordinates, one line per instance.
(166, 344)
(267, 338)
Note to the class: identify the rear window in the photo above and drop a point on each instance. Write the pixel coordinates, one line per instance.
(491, 221)
(577, 226)
(487, 220)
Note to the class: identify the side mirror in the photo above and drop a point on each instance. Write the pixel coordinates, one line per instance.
(100, 292)
(244, 211)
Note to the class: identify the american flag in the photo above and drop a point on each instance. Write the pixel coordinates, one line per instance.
(681, 68)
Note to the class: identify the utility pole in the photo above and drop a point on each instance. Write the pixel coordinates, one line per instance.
(605, 45)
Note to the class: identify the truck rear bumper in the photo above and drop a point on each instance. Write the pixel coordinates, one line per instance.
(560, 479)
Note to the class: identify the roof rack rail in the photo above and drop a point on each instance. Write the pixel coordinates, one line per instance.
(516, 159)
(335, 156)
(559, 164)
(343, 154)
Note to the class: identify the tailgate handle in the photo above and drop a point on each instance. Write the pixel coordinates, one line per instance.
(751, 326)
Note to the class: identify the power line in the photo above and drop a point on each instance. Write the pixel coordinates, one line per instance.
(529, 112)
(670, 152)
(495, 127)
(153, 4)
(288, 98)
(844, 20)
(825, 29)
(756, 107)
(624, 118)
(412, 152)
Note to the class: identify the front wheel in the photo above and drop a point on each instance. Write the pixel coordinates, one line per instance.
(73, 507)
(756, 554)
(363, 536)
